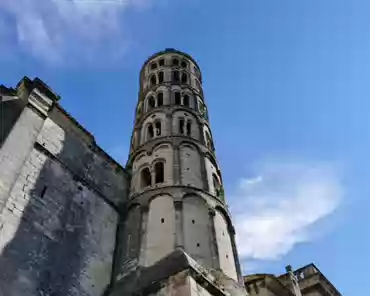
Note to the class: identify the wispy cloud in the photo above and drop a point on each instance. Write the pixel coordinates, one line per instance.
(282, 207)
(60, 30)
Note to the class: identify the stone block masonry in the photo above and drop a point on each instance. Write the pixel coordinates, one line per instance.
(59, 198)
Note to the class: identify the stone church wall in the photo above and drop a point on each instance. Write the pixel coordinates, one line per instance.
(60, 195)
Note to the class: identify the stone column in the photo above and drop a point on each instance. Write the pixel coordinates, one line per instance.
(214, 246)
(179, 225)
(144, 226)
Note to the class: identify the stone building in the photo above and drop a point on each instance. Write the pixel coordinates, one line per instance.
(60, 198)
(74, 222)
(310, 282)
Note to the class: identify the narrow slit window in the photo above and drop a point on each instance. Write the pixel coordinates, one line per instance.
(160, 77)
(159, 172)
(146, 178)
(177, 98)
(43, 191)
(188, 128)
(186, 101)
(158, 127)
(181, 126)
(151, 102)
(150, 131)
(216, 185)
(184, 64)
(184, 78)
(176, 76)
(160, 99)
(153, 80)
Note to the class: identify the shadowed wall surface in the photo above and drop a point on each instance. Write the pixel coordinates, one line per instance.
(58, 214)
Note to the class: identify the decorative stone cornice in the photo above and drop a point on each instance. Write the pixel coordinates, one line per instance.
(40, 102)
(175, 141)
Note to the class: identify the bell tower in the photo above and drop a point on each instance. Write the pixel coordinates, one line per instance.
(176, 235)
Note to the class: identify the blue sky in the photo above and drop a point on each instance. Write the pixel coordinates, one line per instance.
(287, 83)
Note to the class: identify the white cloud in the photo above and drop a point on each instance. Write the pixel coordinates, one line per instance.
(283, 206)
(60, 30)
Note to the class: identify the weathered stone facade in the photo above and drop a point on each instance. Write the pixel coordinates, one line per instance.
(59, 199)
(309, 279)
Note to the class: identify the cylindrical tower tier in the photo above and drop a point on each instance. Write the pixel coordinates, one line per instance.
(176, 194)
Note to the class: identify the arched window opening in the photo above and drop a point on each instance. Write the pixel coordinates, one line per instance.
(139, 110)
(146, 178)
(161, 62)
(184, 64)
(216, 185)
(175, 62)
(205, 115)
(158, 128)
(181, 126)
(153, 80)
(196, 71)
(209, 141)
(212, 160)
(153, 66)
(186, 100)
(160, 77)
(201, 108)
(188, 128)
(177, 98)
(197, 83)
(151, 102)
(184, 78)
(150, 131)
(160, 99)
(159, 172)
(176, 76)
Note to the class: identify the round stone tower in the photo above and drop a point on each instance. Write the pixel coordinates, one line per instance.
(176, 198)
